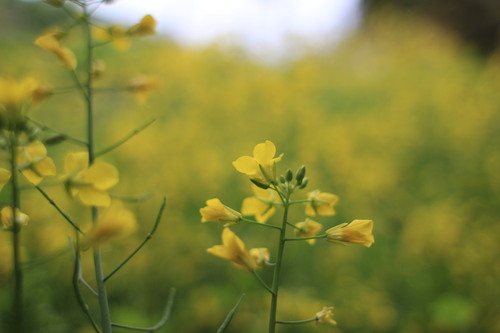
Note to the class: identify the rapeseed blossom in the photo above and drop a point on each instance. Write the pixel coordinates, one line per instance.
(50, 41)
(34, 163)
(261, 167)
(89, 183)
(321, 203)
(357, 232)
(325, 316)
(6, 217)
(261, 205)
(308, 228)
(233, 249)
(260, 255)
(215, 211)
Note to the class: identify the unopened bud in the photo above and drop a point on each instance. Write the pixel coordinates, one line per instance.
(304, 183)
(289, 175)
(282, 179)
(301, 172)
(259, 184)
(56, 139)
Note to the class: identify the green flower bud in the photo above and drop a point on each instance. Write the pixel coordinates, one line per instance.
(301, 172)
(304, 183)
(282, 179)
(289, 175)
(259, 184)
(56, 139)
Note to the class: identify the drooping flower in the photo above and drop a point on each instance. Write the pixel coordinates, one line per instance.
(356, 232)
(142, 86)
(16, 97)
(7, 218)
(260, 205)
(321, 203)
(145, 27)
(233, 249)
(4, 177)
(260, 255)
(34, 163)
(89, 184)
(116, 35)
(308, 228)
(116, 221)
(325, 316)
(261, 168)
(215, 211)
(50, 41)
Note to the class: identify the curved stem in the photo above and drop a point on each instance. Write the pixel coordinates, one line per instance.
(261, 224)
(259, 278)
(305, 238)
(295, 322)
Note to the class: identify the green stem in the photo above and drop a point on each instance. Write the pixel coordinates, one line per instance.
(305, 238)
(17, 305)
(257, 276)
(88, 93)
(279, 261)
(295, 322)
(261, 224)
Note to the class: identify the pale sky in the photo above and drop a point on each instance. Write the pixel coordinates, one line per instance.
(259, 26)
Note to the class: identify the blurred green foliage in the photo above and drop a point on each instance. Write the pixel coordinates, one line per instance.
(400, 121)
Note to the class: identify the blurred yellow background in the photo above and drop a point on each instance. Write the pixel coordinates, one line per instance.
(400, 121)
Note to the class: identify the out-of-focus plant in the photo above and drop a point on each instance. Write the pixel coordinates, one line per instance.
(272, 191)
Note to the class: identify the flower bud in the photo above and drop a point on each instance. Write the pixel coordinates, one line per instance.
(304, 183)
(56, 139)
(259, 184)
(289, 175)
(301, 172)
(282, 179)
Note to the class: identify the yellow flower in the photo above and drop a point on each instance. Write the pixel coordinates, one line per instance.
(89, 184)
(233, 249)
(116, 221)
(308, 228)
(34, 163)
(262, 166)
(356, 232)
(6, 217)
(4, 177)
(260, 205)
(215, 211)
(145, 27)
(15, 97)
(115, 34)
(325, 316)
(141, 87)
(321, 203)
(50, 41)
(260, 255)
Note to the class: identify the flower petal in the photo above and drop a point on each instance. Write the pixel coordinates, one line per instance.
(263, 153)
(246, 165)
(94, 197)
(102, 175)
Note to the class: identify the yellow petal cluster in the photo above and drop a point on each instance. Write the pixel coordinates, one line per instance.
(34, 163)
(89, 184)
(260, 205)
(7, 218)
(116, 35)
(116, 221)
(357, 232)
(142, 86)
(321, 203)
(325, 316)
(233, 249)
(308, 228)
(260, 255)
(50, 41)
(215, 211)
(261, 167)
(4, 177)
(145, 27)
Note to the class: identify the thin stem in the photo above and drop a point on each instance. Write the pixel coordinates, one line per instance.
(164, 319)
(17, 305)
(279, 261)
(125, 139)
(45, 127)
(295, 322)
(305, 238)
(259, 278)
(148, 237)
(261, 224)
(52, 202)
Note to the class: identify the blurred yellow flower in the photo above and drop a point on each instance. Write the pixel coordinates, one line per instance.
(33, 162)
(260, 205)
(260, 255)
(233, 249)
(4, 177)
(308, 228)
(6, 217)
(321, 203)
(325, 316)
(116, 35)
(215, 211)
(50, 41)
(356, 232)
(89, 184)
(145, 27)
(141, 87)
(262, 166)
(116, 221)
